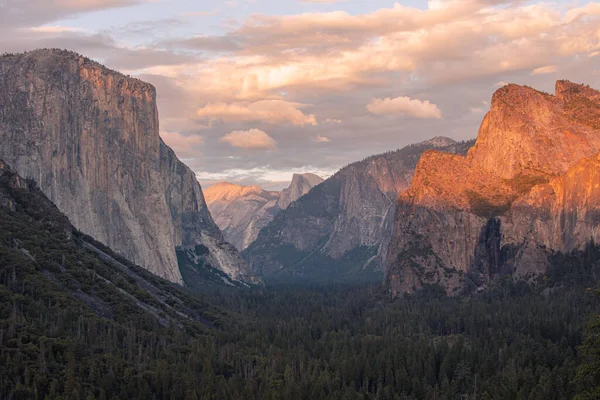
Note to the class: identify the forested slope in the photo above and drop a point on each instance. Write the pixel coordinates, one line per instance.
(77, 322)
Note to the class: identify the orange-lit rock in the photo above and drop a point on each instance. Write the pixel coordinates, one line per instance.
(528, 186)
(242, 211)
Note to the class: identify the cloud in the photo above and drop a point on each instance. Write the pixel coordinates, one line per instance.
(54, 29)
(91, 4)
(545, 70)
(450, 53)
(184, 146)
(270, 111)
(267, 177)
(321, 139)
(205, 42)
(337, 51)
(191, 14)
(253, 139)
(23, 13)
(404, 106)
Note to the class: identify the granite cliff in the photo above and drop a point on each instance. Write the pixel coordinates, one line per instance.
(90, 137)
(528, 187)
(242, 211)
(340, 229)
(300, 185)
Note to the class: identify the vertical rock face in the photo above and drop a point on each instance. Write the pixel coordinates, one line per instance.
(524, 127)
(339, 229)
(242, 211)
(301, 184)
(561, 215)
(89, 137)
(527, 187)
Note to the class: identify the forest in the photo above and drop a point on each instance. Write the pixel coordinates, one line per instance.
(78, 322)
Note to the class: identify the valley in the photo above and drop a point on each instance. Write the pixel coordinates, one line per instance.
(78, 321)
(440, 270)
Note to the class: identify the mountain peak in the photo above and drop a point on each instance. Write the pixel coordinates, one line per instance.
(226, 191)
(300, 185)
(53, 59)
(516, 96)
(312, 179)
(529, 130)
(242, 211)
(566, 88)
(439, 141)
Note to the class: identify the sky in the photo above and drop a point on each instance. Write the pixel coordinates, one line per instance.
(252, 91)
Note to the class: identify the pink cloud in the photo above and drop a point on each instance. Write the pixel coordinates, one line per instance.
(405, 106)
(271, 111)
(184, 146)
(254, 139)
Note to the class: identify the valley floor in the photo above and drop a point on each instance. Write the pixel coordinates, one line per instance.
(514, 342)
(79, 322)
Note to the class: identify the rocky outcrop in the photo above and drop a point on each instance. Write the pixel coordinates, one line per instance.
(242, 211)
(89, 137)
(561, 215)
(300, 185)
(465, 220)
(339, 230)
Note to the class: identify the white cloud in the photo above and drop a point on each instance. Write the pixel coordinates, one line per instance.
(322, 139)
(271, 111)
(92, 4)
(253, 139)
(184, 146)
(192, 14)
(452, 40)
(405, 106)
(265, 176)
(548, 69)
(337, 61)
(54, 29)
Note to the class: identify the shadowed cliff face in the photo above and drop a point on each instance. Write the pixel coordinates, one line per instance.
(339, 229)
(89, 136)
(242, 211)
(527, 187)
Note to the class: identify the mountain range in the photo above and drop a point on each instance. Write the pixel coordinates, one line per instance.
(339, 230)
(242, 211)
(454, 214)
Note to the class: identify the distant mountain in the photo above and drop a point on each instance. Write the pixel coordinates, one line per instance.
(301, 184)
(339, 230)
(242, 211)
(90, 137)
(529, 187)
